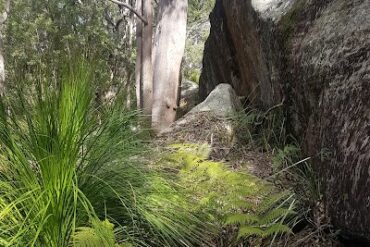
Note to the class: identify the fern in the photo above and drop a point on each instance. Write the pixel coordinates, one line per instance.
(234, 198)
(277, 228)
(241, 219)
(100, 234)
(274, 215)
(247, 231)
(268, 218)
(272, 200)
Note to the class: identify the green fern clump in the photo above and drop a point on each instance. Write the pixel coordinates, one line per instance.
(231, 198)
(99, 234)
(267, 219)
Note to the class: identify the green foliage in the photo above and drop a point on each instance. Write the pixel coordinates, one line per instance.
(266, 219)
(39, 33)
(197, 33)
(289, 166)
(41, 146)
(100, 234)
(65, 165)
(230, 197)
(199, 9)
(193, 75)
(285, 157)
(262, 129)
(196, 37)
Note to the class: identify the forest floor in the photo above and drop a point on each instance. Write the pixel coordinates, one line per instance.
(205, 128)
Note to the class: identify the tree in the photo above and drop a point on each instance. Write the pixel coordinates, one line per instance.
(168, 53)
(38, 33)
(3, 18)
(161, 72)
(145, 52)
(144, 66)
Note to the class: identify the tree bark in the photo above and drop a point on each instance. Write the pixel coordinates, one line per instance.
(3, 18)
(146, 58)
(139, 35)
(144, 66)
(168, 52)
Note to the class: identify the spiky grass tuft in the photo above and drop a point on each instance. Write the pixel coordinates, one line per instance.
(66, 165)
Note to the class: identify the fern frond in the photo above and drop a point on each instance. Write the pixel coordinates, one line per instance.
(248, 231)
(241, 219)
(271, 200)
(237, 203)
(276, 229)
(100, 234)
(275, 214)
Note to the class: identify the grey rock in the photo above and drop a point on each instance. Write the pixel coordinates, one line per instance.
(314, 54)
(222, 101)
(209, 122)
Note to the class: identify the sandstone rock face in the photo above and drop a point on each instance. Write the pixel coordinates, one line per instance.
(238, 58)
(315, 54)
(329, 71)
(242, 50)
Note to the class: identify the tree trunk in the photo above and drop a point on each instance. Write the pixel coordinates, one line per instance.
(146, 58)
(139, 35)
(3, 18)
(144, 66)
(168, 52)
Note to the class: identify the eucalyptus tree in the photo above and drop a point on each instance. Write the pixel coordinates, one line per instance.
(169, 46)
(4, 16)
(39, 32)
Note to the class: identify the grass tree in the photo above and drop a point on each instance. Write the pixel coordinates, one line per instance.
(68, 171)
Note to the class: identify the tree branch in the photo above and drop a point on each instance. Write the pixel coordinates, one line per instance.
(131, 9)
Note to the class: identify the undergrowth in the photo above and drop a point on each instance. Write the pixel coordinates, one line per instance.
(262, 129)
(237, 202)
(267, 132)
(70, 176)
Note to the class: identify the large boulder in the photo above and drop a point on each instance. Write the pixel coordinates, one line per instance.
(209, 122)
(222, 101)
(328, 66)
(314, 55)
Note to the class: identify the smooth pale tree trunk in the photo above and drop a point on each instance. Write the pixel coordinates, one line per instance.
(3, 18)
(138, 78)
(146, 58)
(169, 49)
(144, 66)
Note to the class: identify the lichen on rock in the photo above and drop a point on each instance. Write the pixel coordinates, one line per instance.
(314, 55)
